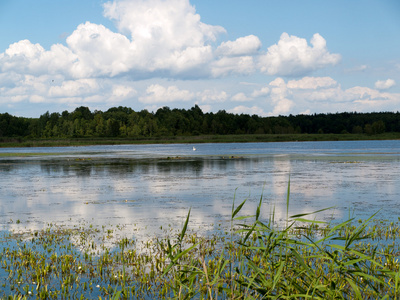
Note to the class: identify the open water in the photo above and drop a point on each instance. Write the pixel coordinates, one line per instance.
(152, 186)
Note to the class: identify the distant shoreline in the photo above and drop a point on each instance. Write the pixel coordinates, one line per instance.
(243, 138)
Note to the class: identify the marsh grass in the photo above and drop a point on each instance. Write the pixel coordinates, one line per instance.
(257, 259)
(20, 154)
(229, 138)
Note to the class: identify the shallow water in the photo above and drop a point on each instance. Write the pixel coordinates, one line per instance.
(144, 187)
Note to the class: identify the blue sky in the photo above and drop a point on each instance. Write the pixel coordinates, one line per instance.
(257, 57)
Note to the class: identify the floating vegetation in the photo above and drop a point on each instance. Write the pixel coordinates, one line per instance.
(26, 154)
(176, 157)
(345, 162)
(82, 159)
(256, 259)
(232, 157)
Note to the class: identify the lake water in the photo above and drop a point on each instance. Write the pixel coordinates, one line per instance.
(144, 187)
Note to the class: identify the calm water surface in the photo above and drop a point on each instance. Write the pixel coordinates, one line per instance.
(148, 186)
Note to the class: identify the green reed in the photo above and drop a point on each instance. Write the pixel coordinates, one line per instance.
(305, 259)
(257, 259)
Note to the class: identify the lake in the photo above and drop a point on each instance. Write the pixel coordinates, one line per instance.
(143, 188)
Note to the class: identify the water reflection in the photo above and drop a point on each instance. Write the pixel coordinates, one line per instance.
(148, 193)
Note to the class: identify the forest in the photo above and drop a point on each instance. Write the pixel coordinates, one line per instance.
(124, 122)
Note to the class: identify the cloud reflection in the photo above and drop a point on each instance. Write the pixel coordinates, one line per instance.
(144, 195)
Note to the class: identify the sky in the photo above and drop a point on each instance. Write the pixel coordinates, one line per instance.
(263, 57)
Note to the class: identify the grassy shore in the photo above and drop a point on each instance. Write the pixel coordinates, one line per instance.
(243, 138)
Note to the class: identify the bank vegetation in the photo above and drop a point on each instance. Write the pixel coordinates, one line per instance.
(124, 125)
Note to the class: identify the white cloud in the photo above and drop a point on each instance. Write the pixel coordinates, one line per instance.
(205, 108)
(306, 112)
(25, 49)
(156, 93)
(75, 88)
(236, 57)
(363, 93)
(279, 97)
(166, 39)
(233, 65)
(100, 51)
(262, 92)
(312, 83)
(165, 35)
(282, 107)
(171, 24)
(159, 38)
(240, 97)
(121, 92)
(55, 89)
(155, 39)
(254, 110)
(240, 47)
(292, 56)
(331, 95)
(366, 99)
(323, 94)
(36, 99)
(384, 84)
(23, 57)
(212, 96)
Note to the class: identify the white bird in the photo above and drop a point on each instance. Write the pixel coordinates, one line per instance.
(194, 149)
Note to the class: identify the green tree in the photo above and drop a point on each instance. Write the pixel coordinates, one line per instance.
(378, 127)
(112, 128)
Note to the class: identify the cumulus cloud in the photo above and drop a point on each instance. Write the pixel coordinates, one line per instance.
(240, 97)
(36, 99)
(254, 110)
(23, 57)
(158, 39)
(365, 99)
(242, 46)
(212, 96)
(312, 83)
(122, 92)
(99, 51)
(164, 34)
(54, 89)
(74, 88)
(171, 24)
(292, 56)
(233, 65)
(279, 97)
(363, 93)
(314, 89)
(324, 94)
(306, 112)
(205, 108)
(262, 92)
(384, 84)
(156, 93)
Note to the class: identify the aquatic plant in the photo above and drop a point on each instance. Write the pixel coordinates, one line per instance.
(257, 259)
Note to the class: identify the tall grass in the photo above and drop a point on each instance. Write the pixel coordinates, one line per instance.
(307, 259)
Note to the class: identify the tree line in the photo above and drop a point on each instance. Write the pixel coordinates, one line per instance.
(124, 122)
